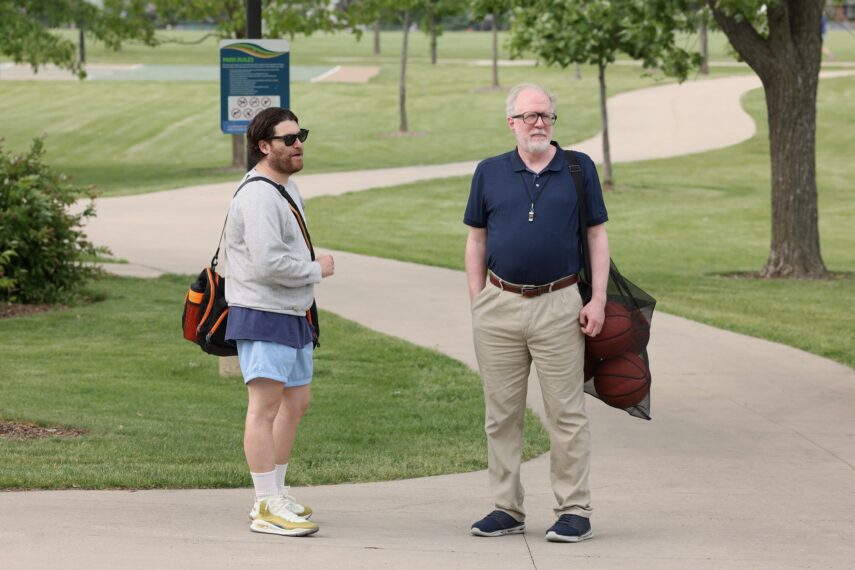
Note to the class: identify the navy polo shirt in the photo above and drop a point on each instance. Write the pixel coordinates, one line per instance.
(547, 249)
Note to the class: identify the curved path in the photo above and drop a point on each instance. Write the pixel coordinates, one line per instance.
(749, 462)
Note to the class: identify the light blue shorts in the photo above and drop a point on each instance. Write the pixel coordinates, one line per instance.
(261, 359)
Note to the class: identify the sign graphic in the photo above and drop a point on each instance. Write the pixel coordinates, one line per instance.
(254, 75)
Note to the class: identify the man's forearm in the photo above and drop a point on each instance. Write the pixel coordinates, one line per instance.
(598, 250)
(476, 272)
(476, 266)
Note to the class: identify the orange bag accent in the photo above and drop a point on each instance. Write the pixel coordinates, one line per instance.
(195, 296)
(211, 297)
(192, 316)
(219, 321)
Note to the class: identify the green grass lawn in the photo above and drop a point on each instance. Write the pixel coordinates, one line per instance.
(158, 414)
(676, 226)
(130, 137)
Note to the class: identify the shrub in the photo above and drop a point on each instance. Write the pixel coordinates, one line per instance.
(42, 245)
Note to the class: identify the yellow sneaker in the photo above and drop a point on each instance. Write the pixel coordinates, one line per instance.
(272, 516)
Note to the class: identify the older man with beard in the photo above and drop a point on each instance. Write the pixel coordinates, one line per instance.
(270, 278)
(524, 239)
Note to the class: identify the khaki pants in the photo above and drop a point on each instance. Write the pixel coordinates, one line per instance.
(510, 332)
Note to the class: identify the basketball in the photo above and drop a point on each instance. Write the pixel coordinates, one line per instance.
(640, 331)
(616, 336)
(622, 382)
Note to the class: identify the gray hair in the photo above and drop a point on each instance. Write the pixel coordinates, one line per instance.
(511, 102)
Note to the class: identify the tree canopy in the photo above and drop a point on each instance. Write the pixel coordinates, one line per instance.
(26, 36)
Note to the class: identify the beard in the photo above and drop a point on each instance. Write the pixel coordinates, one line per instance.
(536, 146)
(286, 164)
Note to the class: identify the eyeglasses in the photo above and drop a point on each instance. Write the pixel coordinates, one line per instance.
(531, 117)
(289, 140)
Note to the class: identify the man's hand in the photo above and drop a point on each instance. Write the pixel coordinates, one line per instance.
(327, 265)
(592, 316)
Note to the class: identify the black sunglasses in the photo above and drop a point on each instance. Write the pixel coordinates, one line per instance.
(290, 139)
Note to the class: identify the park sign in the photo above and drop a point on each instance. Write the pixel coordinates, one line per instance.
(254, 75)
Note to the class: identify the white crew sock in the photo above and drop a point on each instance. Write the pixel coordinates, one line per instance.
(281, 471)
(265, 484)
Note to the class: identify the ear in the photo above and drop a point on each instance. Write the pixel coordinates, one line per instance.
(510, 123)
(264, 147)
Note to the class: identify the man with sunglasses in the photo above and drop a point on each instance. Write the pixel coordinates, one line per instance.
(270, 278)
(524, 239)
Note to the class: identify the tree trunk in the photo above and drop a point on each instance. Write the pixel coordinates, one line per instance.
(433, 38)
(494, 24)
(705, 52)
(577, 73)
(787, 62)
(791, 108)
(82, 45)
(402, 89)
(377, 37)
(604, 120)
(238, 152)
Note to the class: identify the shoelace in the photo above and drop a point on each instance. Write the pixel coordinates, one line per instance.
(502, 517)
(279, 507)
(571, 521)
(287, 494)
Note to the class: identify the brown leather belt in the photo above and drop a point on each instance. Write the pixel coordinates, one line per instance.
(533, 290)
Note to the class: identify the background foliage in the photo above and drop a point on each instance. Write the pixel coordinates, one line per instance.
(41, 239)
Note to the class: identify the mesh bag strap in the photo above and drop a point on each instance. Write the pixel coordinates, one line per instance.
(579, 183)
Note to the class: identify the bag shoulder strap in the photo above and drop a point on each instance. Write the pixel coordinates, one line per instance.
(304, 229)
(579, 183)
(293, 206)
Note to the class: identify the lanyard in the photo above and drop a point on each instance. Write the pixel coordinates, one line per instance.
(533, 200)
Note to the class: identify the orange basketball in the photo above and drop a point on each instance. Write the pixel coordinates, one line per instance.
(616, 335)
(622, 382)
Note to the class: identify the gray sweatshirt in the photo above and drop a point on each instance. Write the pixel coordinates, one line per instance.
(266, 262)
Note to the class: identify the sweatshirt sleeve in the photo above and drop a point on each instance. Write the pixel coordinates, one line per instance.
(271, 234)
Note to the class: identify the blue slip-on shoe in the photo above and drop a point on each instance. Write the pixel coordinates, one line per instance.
(570, 528)
(497, 523)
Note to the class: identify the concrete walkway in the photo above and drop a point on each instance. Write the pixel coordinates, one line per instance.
(748, 463)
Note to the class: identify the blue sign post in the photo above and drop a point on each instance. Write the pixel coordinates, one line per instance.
(254, 75)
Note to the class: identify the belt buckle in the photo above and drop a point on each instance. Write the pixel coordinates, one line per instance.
(529, 290)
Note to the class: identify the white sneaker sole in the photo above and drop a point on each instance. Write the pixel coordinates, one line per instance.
(515, 530)
(267, 528)
(552, 536)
